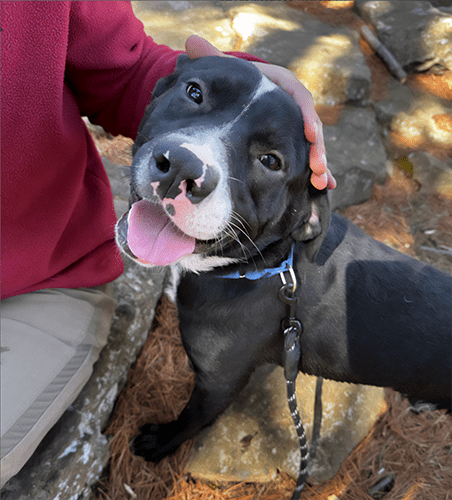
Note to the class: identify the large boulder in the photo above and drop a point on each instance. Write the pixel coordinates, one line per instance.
(255, 437)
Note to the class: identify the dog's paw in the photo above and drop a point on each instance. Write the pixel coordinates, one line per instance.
(147, 444)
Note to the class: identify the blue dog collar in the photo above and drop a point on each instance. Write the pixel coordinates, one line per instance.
(265, 273)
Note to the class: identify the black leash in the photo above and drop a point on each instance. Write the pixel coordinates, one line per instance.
(293, 329)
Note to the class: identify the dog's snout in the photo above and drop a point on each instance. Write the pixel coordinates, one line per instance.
(177, 161)
(198, 190)
(178, 165)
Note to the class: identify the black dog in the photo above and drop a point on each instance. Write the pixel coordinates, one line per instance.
(220, 183)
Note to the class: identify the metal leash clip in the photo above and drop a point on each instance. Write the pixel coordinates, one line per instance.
(291, 326)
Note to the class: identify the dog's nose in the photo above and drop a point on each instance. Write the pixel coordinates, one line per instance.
(182, 167)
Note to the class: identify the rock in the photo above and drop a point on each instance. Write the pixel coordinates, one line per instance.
(415, 117)
(426, 118)
(95, 130)
(255, 437)
(171, 23)
(433, 175)
(441, 4)
(74, 453)
(418, 34)
(399, 98)
(413, 120)
(119, 177)
(326, 59)
(356, 157)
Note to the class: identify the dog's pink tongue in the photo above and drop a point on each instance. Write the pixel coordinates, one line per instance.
(153, 238)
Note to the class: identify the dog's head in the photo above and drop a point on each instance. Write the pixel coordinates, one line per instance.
(221, 172)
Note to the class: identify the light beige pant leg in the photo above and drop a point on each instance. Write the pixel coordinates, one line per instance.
(50, 341)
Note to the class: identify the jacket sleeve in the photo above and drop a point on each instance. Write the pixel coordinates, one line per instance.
(112, 65)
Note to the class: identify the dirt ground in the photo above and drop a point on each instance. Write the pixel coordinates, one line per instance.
(407, 455)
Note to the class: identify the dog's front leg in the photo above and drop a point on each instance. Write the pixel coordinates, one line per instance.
(210, 397)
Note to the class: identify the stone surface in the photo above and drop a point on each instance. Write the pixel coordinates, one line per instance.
(418, 34)
(355, 156)
(433, 175)
(74, 453)
(255, 437)
(172, 22)
(398, 99)
(415, 117)
(119, 177)
(326, 59)
(426, 117)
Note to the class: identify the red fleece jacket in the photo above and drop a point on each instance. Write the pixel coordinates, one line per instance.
(60, 61)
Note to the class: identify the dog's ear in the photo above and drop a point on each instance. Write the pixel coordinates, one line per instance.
(313, 232)
(165, 83)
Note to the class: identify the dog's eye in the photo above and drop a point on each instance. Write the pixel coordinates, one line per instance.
(271, 162)
(194, 92)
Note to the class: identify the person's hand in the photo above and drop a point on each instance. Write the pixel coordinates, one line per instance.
(321, 176)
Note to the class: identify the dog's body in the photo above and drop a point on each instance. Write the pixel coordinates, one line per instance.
(371, 315)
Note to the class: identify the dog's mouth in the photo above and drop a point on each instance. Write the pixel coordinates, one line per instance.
(147, 234)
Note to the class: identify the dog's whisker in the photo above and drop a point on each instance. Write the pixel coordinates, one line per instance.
(242, 246)
(249, 239)
(239, 218)
(229, 232)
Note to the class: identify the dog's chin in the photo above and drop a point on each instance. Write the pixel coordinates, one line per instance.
(203, 258)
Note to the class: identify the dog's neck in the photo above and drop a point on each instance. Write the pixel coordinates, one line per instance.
(254, 274)
(250, 270)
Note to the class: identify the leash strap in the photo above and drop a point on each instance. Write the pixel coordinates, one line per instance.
(292, 329)
(303, 469)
